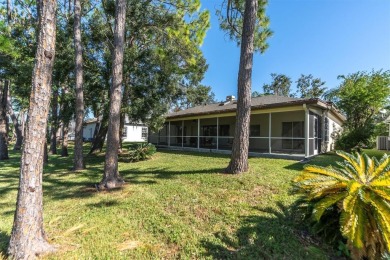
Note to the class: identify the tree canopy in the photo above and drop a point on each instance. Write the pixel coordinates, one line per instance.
(279, 86)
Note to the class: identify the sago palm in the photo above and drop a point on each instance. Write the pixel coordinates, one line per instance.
(360, 188)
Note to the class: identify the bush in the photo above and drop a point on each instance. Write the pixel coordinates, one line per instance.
(359, 190)
(360, 137)
(141, 152)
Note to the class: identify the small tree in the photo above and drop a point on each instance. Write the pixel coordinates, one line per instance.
(360, 97)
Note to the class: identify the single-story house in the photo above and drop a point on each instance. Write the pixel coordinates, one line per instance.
(279, 126)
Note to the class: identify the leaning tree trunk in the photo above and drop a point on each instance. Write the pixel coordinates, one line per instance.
(54, 121)
(78, 141)
(111, 177)
(65, 131)
(3, 121)
(239, 158)
(18, 127)
(28, 238)
(98, 140)
(97, 127)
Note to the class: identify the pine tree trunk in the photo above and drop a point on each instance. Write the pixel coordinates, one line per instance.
(65, 131)
(28, 238)
(18, 127)
(3, 121)
(121, 127)
(78, 142)
(111, 177)
(239, 158)
(54, 121)
(98, 141)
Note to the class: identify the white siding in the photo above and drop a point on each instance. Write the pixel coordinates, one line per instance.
(335, 128)
(134, 134)
(88, 131)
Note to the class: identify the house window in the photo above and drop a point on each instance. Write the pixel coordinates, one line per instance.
(291, 130)
(326, 122)
(209, 130)
(254, 131)
(144, 134)
(224, 130)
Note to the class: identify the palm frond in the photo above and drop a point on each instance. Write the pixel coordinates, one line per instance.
(382, 165)
(325, 171)
(322, 205)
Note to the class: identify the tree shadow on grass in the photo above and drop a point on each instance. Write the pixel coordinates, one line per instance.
(194, 153)
(104, 204)
(270, 234)
(138, 175)
(4, 240)
(323, 160)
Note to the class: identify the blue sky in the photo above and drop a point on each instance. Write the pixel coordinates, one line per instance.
(325, 38)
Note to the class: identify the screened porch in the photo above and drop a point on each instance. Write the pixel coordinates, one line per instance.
(270, 133)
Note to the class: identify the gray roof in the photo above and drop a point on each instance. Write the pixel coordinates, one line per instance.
(257, 103)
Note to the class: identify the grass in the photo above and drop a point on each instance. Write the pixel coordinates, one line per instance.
(176, 205)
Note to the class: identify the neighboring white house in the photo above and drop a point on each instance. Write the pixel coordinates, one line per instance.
(89, 129)
(135, 133)
(279, 126)
(132, 132)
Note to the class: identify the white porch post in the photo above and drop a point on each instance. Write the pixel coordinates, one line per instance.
(217, 133)
(169, 133)
(307, 144)
(198, 132)
(269, 133)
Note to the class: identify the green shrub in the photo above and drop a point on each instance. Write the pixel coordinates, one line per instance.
(359, 189)
(360, 137)
(141, 152)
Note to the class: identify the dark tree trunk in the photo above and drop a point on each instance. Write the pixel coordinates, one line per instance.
(97, 127)
(78, 142)
(18, 127)
(239, 158)
(22, 121)
(111, 177)
(65, 131)
(28, 238)
(3, 121)
(45, 155)
(98, 141)
(54, 121)
(121, 127)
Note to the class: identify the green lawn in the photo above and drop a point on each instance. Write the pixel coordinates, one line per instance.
(173, 206)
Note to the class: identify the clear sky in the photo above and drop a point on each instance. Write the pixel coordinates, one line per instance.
(325, 38)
